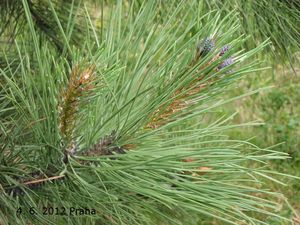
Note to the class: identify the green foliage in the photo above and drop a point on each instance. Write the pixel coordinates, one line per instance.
(278, 110)
(261, 19)
(152, 100)
(278, 20)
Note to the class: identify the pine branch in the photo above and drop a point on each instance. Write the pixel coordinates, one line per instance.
(36, 183)
(144, 59)
(106, 146)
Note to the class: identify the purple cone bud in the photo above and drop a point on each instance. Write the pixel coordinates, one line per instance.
(224, 49)
(205, 47)
(225, 63)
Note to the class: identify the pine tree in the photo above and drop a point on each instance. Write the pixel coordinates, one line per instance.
(108, 121)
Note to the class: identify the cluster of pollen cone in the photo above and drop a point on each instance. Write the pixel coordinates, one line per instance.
(181, 101)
